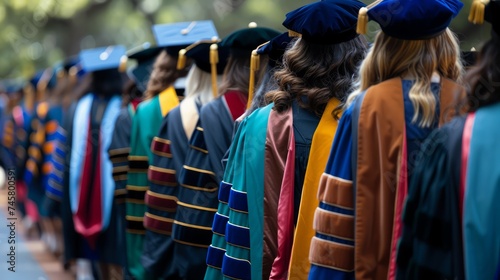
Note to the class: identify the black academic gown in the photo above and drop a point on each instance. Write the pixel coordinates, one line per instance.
(199, 182)
(118, 153)
(432, 222)
(158, 254)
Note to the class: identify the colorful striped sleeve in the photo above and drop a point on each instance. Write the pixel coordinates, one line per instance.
(332, 248)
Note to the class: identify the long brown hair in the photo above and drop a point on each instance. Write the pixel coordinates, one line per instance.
(318, 72)
(164, 74)
(237, 73)
(483, 79)
(419, 59)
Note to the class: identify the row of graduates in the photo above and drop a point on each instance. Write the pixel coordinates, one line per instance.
(209, 188)
(253, 202)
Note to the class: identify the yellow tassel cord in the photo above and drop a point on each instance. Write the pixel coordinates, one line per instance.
(362, 26)
(292, 34)
(73, 71)
(214, 59)
(362, 21)
(476, 15)
(123, 64)
(181, 61)
(254, 66)
(61, 74)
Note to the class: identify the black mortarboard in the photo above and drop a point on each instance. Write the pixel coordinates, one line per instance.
(242, 42)
(145, 57)
(325, 22)
(410, 19)
(488, 10)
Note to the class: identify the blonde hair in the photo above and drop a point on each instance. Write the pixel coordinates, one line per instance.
(199, 83)
(390, 57)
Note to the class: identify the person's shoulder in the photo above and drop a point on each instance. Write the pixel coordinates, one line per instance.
(212, 109)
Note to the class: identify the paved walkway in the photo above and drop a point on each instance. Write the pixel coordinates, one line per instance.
(33, 261)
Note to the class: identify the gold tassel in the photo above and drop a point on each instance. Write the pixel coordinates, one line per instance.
(60, 75)
(123, 64)
(476, 15)
(292, 33)
(181, 61)
(254, 66)
(214, 59)
(73, 71)
(362, 21)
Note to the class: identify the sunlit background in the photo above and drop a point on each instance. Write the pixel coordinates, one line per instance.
(35, 34)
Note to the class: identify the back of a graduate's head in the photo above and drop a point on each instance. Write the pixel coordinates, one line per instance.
(106, 82)
(483, 78)
(318, 72)
(164, 74)
(237, 72)
(415, 58)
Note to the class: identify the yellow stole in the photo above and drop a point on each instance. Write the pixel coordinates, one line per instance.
(318, 158)
(168, 100)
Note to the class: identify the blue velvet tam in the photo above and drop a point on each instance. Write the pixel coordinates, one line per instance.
(276, 46)
(242, 42)
(325, 22)
(176, 36)
(105, 58)
(145, 56)
(412, 19)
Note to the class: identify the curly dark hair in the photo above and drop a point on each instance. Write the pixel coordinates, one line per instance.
(317, 72)
(483, 78)
(164, 74)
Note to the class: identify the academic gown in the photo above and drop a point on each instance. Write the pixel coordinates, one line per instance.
(145, 126)
(271, 159)
(199, 180)
(455, 194)
(16, 139)
(98, 115)
(119, 150)
(51, 157)
(33, 172)
(170, 148)
(369, 178)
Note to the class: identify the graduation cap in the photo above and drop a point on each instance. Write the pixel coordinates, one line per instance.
(242, 42)
(488, 10)
(410, 19)
(208, 57)
(275, 48)
(43, 79)
(11, 86)
(325, 22)
(176, 36)
(145, 56)
(104, 58)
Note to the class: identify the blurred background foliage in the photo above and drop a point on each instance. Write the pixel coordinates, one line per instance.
(35, 34)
